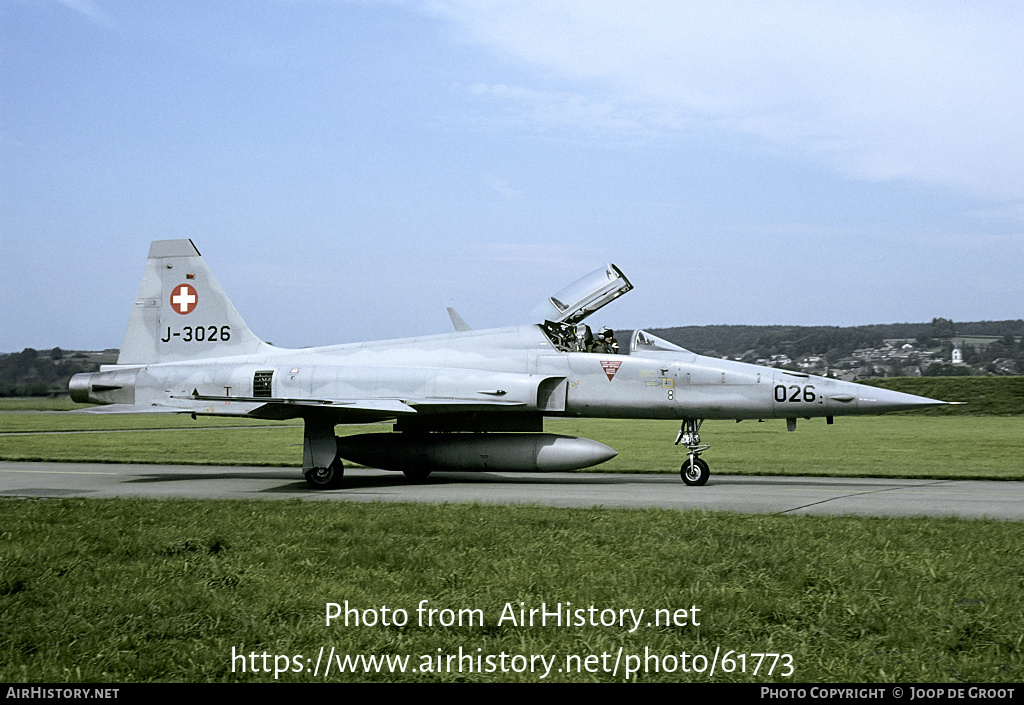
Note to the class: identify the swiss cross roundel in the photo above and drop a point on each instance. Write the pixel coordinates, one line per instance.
(184, 299)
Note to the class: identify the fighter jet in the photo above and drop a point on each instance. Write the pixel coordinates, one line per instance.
(467, 400)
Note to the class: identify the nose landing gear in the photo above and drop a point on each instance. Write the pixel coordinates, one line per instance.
(694, 471)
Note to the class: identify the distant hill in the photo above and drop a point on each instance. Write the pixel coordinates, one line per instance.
(37, 373)
(818, 340)
(794, 341)
(859, 352)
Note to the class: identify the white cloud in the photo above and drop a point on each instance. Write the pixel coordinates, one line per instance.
(927, 91)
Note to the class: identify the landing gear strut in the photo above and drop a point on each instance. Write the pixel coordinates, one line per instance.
(321, 465)
(694, 470)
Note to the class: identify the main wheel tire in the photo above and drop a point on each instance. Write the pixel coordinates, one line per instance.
(695, 473)
(328, 478)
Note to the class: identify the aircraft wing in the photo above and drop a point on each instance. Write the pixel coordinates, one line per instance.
(343, 410)
(131, 409)
(392, 406)
(369, 410)
(339, 410)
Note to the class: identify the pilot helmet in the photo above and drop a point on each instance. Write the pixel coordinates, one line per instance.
(606, 333)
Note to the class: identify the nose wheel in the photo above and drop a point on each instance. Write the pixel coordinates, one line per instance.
(694, 471)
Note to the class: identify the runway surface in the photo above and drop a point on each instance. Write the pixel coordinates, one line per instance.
(759, 495)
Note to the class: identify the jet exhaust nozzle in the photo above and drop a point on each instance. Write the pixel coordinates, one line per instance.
(108, 387)
(80, 386)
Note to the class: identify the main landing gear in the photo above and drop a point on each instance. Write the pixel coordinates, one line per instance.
(326, 478)
(694, 470)
(321, 465)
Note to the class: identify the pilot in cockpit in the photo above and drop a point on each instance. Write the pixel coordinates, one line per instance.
(606, 342)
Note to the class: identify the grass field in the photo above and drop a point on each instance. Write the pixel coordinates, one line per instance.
(134, 590)
(983, 396)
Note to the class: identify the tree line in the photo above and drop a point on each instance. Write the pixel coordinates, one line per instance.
(36, 373)
(833, 343)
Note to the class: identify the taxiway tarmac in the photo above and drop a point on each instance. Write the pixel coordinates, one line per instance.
(746, 494)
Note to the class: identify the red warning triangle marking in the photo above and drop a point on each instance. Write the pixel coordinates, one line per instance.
(611, 367)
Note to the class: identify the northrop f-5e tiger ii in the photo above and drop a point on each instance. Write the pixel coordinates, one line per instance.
(467, 400)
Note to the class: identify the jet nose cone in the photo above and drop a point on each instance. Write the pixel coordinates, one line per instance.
(875, 400)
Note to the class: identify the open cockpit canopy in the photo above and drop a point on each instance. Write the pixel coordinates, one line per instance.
(584, 296)
(562, 313)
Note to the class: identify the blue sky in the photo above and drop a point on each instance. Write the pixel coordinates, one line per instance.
(350, 168)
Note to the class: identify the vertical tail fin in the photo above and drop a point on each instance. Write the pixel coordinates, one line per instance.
(181, 312)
